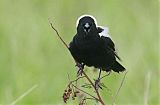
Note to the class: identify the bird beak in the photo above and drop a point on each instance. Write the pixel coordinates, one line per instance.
(86, 28)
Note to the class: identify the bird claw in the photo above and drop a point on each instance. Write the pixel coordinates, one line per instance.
(97, 84)
(80, 69)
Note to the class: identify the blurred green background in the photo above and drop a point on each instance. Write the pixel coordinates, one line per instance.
(32, 55)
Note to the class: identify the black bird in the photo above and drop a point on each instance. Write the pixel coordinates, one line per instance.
(92, 46)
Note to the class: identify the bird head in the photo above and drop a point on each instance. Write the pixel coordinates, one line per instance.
(86, 26)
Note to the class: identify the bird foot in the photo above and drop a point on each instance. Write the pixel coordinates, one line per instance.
(97, 84)
(80, 69)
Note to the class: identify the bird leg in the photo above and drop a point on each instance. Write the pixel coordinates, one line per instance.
(106, 75)
(97, 82)
(80, 68)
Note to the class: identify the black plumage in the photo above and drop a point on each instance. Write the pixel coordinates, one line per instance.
(90, 48)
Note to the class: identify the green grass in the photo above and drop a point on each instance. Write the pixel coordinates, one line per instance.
(31, 53)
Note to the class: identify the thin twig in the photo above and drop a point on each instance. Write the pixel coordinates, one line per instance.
(71, 82)
(88, 99)
(68, 77)
(58, 34)
(147, 86)
(78, 78)
(114, 99)
(24, 94)
(85, 92)
(99, 97)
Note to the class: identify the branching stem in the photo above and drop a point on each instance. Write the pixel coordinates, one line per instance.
(85, 92)
(119, 88)
(58, 34)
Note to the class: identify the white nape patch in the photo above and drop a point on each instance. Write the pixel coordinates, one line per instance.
(105, 31)
(85, 16)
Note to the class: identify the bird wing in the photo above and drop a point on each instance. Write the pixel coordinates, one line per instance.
(109, 44)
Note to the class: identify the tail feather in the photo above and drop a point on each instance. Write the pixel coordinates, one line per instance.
(117, 67)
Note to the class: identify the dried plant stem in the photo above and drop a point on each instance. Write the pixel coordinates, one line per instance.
(147, 87)
(85, 92)
(58, 34)
(113, 103)
(97, 92)
(24, 94)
